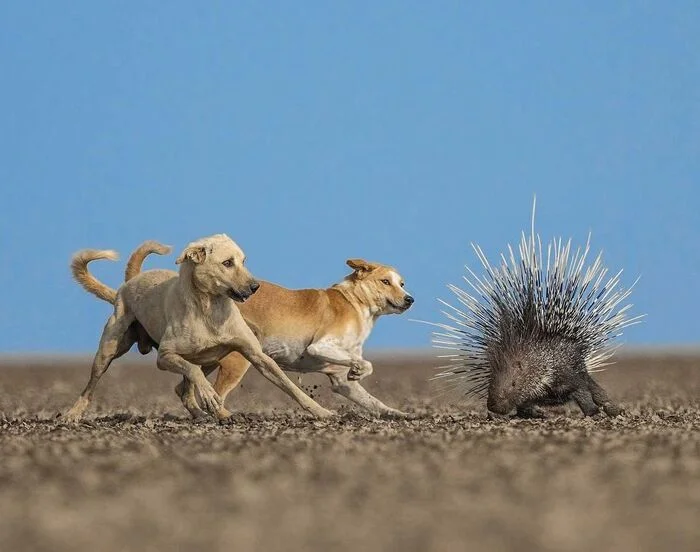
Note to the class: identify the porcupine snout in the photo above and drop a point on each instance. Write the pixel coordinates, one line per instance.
(498, 400)
(506, 384)
(498, 405)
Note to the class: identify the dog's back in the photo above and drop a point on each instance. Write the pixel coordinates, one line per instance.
(145, 296)
(276, 310)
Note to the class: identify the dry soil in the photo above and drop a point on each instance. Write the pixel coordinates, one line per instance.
(137, 474)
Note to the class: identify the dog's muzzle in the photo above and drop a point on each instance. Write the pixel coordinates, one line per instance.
(241, 297)
(236, 296)
(407, 302)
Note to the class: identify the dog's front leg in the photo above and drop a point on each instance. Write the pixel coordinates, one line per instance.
(354, 392)
(173, 362)
(328, 350)
(185, 390)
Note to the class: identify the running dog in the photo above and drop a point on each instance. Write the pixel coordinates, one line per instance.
(192, 314)
(309, 330)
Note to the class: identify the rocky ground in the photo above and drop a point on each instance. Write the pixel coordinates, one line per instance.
(137, 474)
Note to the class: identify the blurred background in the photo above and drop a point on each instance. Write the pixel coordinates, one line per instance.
(312, 132)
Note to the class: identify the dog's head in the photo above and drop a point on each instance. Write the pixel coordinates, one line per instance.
(217, 267)
(380, 285)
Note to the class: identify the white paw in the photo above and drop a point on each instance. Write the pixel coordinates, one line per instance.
(360, 369)
(323, 413)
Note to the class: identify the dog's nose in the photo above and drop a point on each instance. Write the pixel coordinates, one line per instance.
(408, 300)
(254, 287)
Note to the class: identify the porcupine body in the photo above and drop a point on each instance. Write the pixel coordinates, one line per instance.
(530, 330)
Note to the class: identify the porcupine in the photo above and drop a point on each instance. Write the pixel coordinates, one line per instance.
(531, 333)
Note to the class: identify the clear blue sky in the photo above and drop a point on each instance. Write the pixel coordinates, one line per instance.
(311, 132)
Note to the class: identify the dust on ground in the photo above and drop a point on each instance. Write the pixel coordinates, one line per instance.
(137, 474)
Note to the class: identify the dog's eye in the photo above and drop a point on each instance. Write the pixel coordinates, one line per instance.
(386, 282)
(402, 284)
(228, 263)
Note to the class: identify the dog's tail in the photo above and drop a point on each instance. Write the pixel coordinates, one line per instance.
(79, 268)
(133, 267)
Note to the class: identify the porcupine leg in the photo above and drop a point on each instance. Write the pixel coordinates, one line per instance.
(584, 400)
(600, 397)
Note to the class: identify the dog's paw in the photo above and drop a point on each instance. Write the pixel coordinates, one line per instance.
(360, 369)
(76, 411)
(197, 414)
(323, 413)
(209, 398)
(394, 414)
(223, 414)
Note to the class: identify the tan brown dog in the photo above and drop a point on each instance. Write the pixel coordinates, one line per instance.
(192, 313)
(311, 330)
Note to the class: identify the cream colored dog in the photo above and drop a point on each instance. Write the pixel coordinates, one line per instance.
(310, 330)
(193, 316)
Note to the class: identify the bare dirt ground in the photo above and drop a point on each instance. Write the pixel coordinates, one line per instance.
(138, 475)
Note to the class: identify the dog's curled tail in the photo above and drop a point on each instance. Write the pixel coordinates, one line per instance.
(79, 268)
(133, 267)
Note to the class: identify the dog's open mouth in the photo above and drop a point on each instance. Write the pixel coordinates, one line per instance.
(238, 297)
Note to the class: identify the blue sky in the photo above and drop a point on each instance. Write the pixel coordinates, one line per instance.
(311, 132)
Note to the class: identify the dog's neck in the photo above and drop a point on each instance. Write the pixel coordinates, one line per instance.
(193, 295)
(355, 294)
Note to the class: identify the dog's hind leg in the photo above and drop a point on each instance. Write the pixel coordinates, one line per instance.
(231, 371)
(116, 340)
(354, 392)
(269, 368)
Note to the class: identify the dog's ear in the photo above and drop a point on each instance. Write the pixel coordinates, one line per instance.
(195, 254)
(360, 266)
